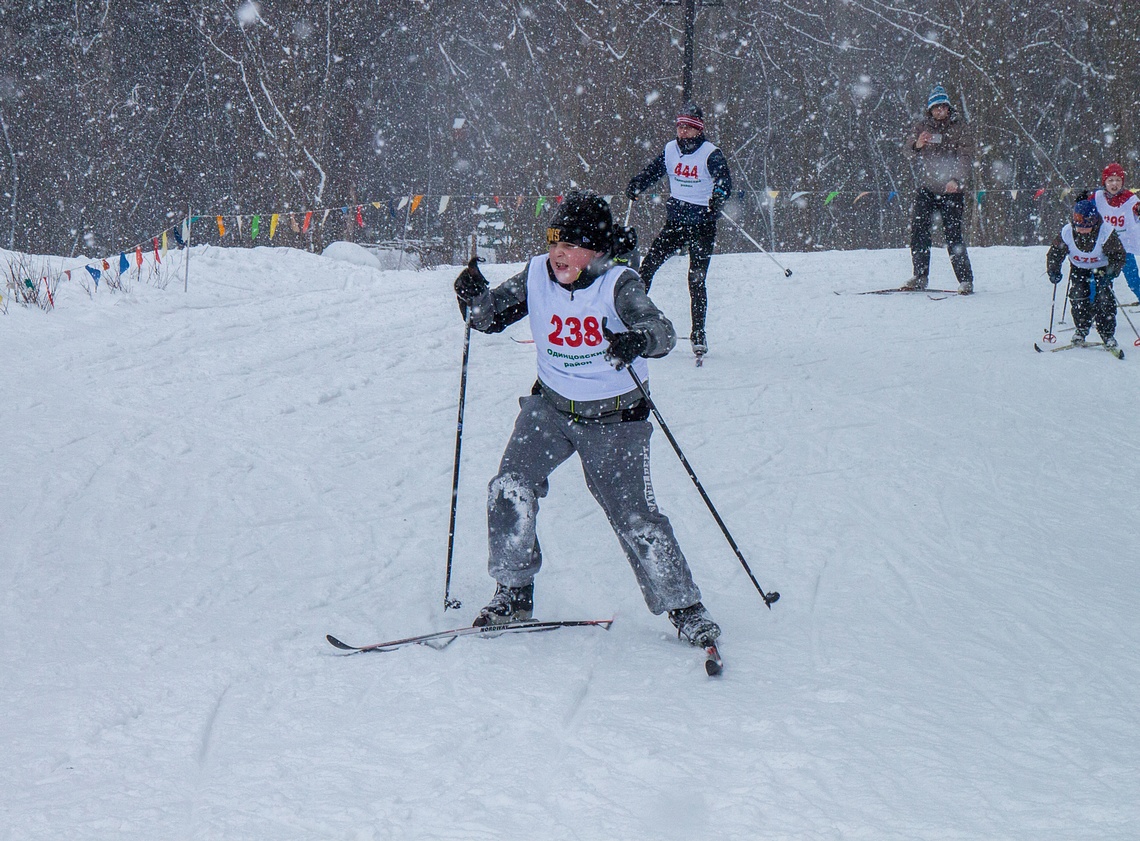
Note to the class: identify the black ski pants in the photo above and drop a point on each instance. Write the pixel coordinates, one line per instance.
(1093, 305)
(950, 207)
(699, 238)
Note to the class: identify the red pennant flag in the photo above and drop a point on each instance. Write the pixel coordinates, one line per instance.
(1039, 193)
(308, 221)
(157, 259)
(138, 256)
(359, 216)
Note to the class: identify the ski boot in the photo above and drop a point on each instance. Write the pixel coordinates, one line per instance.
(509, 604)
(694, 625)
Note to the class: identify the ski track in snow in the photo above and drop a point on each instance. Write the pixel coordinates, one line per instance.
(198, 486)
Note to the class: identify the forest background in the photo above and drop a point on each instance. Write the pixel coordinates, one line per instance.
(118, 118)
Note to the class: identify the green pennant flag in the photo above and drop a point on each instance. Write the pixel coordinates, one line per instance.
(830, 197)
(254, 227)
(981, 195)
(540, 205)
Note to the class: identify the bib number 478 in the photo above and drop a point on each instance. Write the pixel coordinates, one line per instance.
(574, 332)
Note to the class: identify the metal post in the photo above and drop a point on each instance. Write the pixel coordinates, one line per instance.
(189, 228)
(687, 71)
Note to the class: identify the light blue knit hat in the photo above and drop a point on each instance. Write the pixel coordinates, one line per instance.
(937, 97)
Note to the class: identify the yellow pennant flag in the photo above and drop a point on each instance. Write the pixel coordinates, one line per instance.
(221, 227)
(273, 224)
(164, 248)
(415, 203)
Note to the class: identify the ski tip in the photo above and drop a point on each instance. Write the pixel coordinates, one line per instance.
(343, 646)
(713, 665)
(1037, 348)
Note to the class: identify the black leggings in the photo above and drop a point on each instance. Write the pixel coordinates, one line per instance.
(950, 206)
(674, 238)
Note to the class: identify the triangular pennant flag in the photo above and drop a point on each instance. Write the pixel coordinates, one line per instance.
(519, 202)
(178, 236)
(539, 205)
(377, 205)
(185, 232)
(392, 208)
(360, 216)
(415, 203)
(558, 199)
(138, 256)
(239, 225)
(1013, 194)
(861, 195)
(403, 203)
(980, 197)
(165, 244)
(444, 201)
(1066, 191)
(124, 266)
(830, 197)
(795, 196)
(496, 200)
(1039, 193)
(106, 266)
(323, 218)
(891, 196)
(308, 221)
(773, 194)
(68, 273)
(254, 227)
(293, 223)
(95, 273)
(221, 227)
(157, 258)
(273, 225)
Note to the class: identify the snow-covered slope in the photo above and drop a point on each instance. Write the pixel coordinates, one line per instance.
(198, 486)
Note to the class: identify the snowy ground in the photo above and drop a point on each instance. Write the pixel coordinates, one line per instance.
(197, 487)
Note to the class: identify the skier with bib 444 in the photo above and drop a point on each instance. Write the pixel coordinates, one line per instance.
(590, 318)
(1095, 256)
(699, 185)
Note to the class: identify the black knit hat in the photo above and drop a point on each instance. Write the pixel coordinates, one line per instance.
(582, 219)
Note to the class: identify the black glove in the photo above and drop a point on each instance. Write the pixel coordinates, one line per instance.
(1055, 278)
(625, 240)
(624, 347)
(631, 193)
(470, 284)
(716, 201)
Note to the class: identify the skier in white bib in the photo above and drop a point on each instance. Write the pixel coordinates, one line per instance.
(1121, 209)
(589, 318)
(699, 185)
(1095, 256)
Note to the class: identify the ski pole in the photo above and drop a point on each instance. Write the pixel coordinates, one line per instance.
(448, 602)
(1065, 305)
(787, 272)
(768, 597)
(1130, 324)
(1049, 337)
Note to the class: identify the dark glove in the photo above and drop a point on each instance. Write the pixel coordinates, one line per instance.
(624, 347)
(716, 201)
(1101, 275)
(631, 193)
(625, 240)
(1055, 277)
(470, 284)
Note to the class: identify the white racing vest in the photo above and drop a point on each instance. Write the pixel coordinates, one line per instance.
(689, 178)
(567, 330)
(1094, 259)
(1122, 218)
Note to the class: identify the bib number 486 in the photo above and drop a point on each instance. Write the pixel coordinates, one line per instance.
(574, 332)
